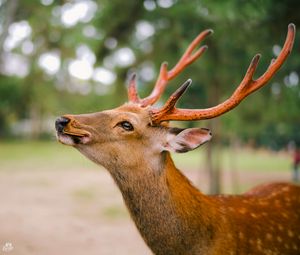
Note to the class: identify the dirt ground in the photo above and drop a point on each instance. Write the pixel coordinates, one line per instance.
(76, 212)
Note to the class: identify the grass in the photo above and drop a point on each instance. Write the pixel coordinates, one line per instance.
(243, 160)
(52, 156)
(40, 155)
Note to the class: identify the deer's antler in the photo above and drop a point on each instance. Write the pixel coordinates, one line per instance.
(165, 76)
(246, 87)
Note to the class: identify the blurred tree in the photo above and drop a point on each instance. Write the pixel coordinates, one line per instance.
(11, 103)
(60, 56)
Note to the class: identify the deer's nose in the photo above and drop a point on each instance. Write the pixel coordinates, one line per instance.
(60, 123)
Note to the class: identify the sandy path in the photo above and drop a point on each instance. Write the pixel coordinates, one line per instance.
(76, 212)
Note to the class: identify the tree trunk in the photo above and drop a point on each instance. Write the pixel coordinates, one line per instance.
(35, 121)
(8, 13)
(213, 163)
(213, 150)
(213, 159)
(233, 155)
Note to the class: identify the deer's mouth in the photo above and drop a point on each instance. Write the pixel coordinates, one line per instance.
(70, 134)
(73, 138)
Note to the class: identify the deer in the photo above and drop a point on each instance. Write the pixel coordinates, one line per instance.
(134, 143)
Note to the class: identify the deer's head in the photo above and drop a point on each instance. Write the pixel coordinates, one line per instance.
(123, 135)
(136, 130)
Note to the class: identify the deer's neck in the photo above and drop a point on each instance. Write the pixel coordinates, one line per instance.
(172, 216)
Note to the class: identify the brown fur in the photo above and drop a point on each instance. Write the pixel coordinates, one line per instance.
(172, 216)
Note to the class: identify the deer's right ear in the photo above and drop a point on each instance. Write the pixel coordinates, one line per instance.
(184, 140)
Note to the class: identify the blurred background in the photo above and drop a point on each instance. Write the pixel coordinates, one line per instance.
(76, 56)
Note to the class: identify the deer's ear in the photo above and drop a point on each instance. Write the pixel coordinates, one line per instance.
(183, 140)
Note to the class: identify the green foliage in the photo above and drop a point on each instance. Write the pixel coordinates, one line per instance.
(11, 105)
(242, 28)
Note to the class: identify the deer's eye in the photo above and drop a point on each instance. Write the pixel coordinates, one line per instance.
(126, 125)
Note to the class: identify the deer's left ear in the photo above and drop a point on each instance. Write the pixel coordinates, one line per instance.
(184, 140)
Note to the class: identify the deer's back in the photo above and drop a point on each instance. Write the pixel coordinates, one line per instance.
(265, 220)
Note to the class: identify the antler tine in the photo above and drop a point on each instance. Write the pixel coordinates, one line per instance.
(277, 63)
(188, 57)
(246, 87)
(132, 90)
(170, 104)
(165, 76)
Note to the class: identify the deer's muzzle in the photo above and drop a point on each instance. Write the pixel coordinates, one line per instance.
(69, 131)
